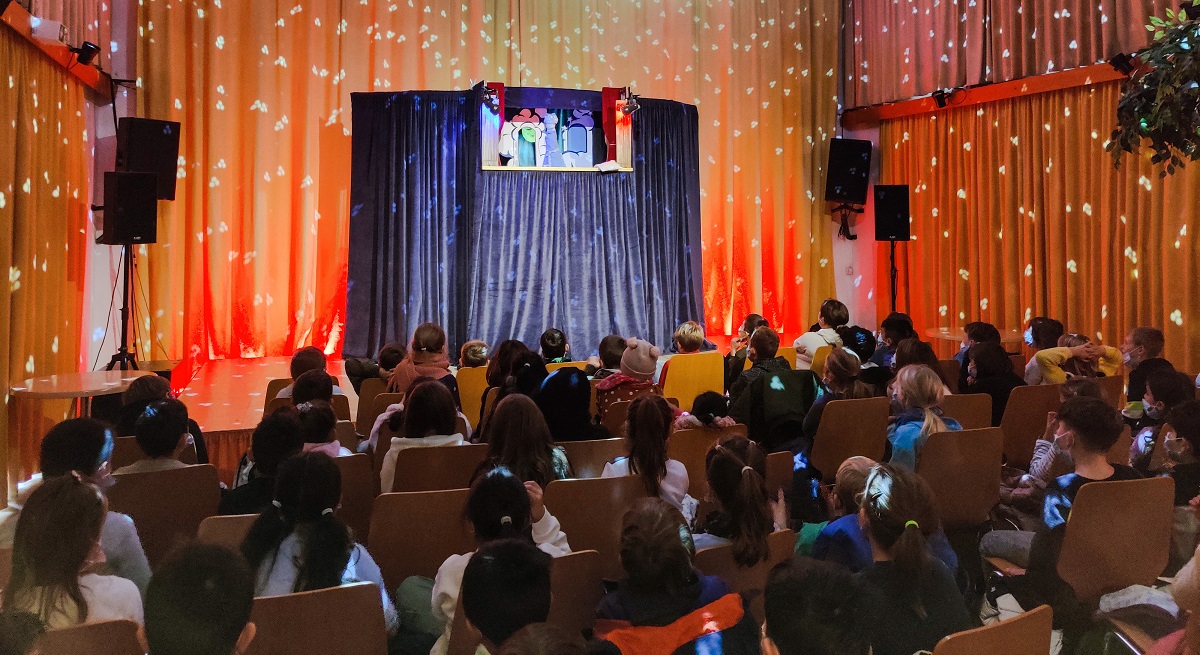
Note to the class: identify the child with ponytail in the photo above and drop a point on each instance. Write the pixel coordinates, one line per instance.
(910, 600)
(647, 430)
(299, 544)
(736, 470)
(917, 391)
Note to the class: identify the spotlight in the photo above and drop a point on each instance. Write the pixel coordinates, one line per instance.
(940, 98)
(491, 99)
(631, 104)
(86, 52)
(1123, 63)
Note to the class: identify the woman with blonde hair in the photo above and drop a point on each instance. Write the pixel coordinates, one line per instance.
(917, 391)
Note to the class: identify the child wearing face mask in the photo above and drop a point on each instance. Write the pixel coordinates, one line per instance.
(1164, 391)
(1141, 352)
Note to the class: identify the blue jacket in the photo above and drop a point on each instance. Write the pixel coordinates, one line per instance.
(844, 542)
(904, 435)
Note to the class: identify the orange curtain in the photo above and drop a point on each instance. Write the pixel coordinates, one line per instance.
(1018, 212)
(252, 254)
(84, 21)
(43, 209)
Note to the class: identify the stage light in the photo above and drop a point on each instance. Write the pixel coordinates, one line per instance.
(86, 52)
(939, 98)
(1123, 63)
(631, 104)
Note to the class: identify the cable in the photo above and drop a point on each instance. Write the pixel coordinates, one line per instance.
(108, 323)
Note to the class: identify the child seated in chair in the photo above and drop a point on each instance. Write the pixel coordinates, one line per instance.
(611, 349)
(710, 411)
(318, 429)
(918, 392)
(276, 438)
(199, 602)
(638, 362)
(687, 340)
(162, 434)
(474, 354)
(428, 419)
(812, 609)
(555, 348)
(505, 587)
(309, 358)
(736, 470)
(647, 430)
(1164, 390)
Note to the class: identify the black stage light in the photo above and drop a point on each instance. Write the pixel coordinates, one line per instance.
(86, 52)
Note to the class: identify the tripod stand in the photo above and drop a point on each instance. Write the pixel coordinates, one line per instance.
(126, 357)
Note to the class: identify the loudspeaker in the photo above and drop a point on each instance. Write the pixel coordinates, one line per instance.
(145, 145)
(130, 209)
(891, 212)
(848, 170)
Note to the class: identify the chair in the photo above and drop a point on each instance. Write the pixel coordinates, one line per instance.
(963, 472)
(274, 386)
(460, 427)
(590, 512)
(971, 410)
(1119, 453)
(401, 550)
(750, 582)
(360, 486)
(780, 468)
(126, 451)
(438, 467)
(300, 622)
(382, 444)
(577, 587)
(1112, 389)
(693, 374)
(554, 366)
(228, 531)
(788, 353)
(1018, 363)
(491, 394)
(1025, 420)
(690, 448)
(472, 382)
(818, 360)
(849, 428)
(166, 506)
(588, 458)
(950, 369)
(1020, 635)
(614, 418)
(347, 436)
(5, 567)
(99, 638)
(339, 402)
(367, 393)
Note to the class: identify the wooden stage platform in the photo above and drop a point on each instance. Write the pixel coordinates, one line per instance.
(226, 399)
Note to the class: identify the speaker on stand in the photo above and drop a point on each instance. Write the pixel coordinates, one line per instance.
(892, 224)
(846, 180)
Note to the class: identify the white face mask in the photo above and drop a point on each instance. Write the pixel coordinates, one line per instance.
(1152, 411)
(1174, 447)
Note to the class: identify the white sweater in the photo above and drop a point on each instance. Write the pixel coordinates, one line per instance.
(108, 598)
(673, 488)
(387, 470)
(807, 344)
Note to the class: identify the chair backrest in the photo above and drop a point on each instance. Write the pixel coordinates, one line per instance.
(1018, 363)
(1025, 420)
(1119, 453)
(383, 443)
(577, 587)
(590, 512)
(971, 410)
(360, 486)
(692, 374)
(1020, 635)
(99, 638)
(274, 386)
(301, 622)
(126, 451)
(1112, 389)
(949, 369)
(780, 469)
(471, 382)
(402, 551)
(228, 531)
(963, 471)
(166, 506)
(788, 353)
(490, 398)
(849, 428)
(460, 427)
(1118, 534)
(588, 458)
(369, 410)
(368, 391)
(554, 366)
(5, 567)
(750, 582)
(438, 467)
(347, 436)
(339, 403)
(818, 360)
(690, 448)
(615, 416)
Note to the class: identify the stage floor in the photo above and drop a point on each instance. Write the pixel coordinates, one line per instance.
(226, 399)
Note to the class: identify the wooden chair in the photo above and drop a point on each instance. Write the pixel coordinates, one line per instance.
(588, 458)
(971, 410)
(126, 451)
(5, 567)
(690, 448)
(461, 427)
(490, 398)
(950, 368)
(438, 467)
(614, 418)
(590, 512)
(360, 486)
(299, 623)
(849, 428)
(963, 472)
(274, 386)
(1018, 363)
(1020, 635)
(1119, 453)
(166, 506)
(693, 374)
(228, 531)
(780, 468)
(99, 638)
(577, 587)
(818, 360)
(347, 436)
(340, 404)
(750, 582)
(401, 550)
(788, 353)
(1025, 420)
(382, 444)
(552, 367)
(367, 393)
(1112, 389)
(471, 384)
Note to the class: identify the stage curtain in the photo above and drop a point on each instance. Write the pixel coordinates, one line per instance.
(263, 92)
(1018, 212)
(43, 210)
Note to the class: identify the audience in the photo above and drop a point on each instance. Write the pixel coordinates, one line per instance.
(736, 470)
(739, 348)
(918, 392)
(199, 603)
(555, 348)
(895, 328)
(565, 399)
(83, 447)
(710, 411)
(1164, 390)
(299, 544)
(635, 379)
(770, 399)
(426, 358)
(812, 608)
(990, 371)
(505, 587)
(914, 351)
(57, 542)
(859, 341)
(687, 340)
(162, 435)
(543, 639)
(19, 631)
(1048, 458)
(611, 349)
(277, 437)
(528, 371)
(1042, 333)
(647, 431)
(143, 391)
(1075, 357)
(308, 358)
(501, 364)
(973, 333)
(474, 354)
(1141, 353)
(318, 428)
(1183, 447)
(519, 440)
(839, 382)
(428, 420)
(313, 385)
(831, 321)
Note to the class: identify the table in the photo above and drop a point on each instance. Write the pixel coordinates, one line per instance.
(78, 386)
(957, 335)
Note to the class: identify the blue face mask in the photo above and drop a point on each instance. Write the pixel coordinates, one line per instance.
(1028, 336)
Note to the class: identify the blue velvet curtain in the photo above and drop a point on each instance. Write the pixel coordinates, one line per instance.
(505, 254)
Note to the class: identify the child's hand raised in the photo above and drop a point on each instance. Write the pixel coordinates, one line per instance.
(537, 509)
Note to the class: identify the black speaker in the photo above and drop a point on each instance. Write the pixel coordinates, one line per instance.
(130, 209)
(848, 171)
(145, 145)
(891, 212)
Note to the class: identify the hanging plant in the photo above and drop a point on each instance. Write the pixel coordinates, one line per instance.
(1161, 100)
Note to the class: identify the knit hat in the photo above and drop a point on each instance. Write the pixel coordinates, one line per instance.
(639, 359)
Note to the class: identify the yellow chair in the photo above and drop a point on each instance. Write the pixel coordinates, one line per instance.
(818, 360)
(963, 471)
(588, 458)
(1020, 635)
(228, 531)
(788, 353)
(471, 384)
(1025, 420)
(971, 410)
(99, 638)
(849, 428)
(300, 622)
(690, 375)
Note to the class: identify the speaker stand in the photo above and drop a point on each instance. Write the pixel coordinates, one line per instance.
(894, 273)
(126, 357)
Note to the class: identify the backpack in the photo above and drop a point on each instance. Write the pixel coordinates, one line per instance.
(785, 398)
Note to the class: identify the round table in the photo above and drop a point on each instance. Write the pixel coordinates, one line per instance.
(79, 386)
(957, 335)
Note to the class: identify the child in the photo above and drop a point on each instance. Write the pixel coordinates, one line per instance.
(318, 426)
(990, 371)
(501, 364)
(710, 411)
(1142, 354)
(565, 399)
(895, 328)
(770, 399)
(426, 358)
(1075, 357)
(162, 435)
(474, 354)
(519, 440)
(428, 420)
(917, 391)
(308, 358)
(840, 382)
(143, 391)
(1183, 447)
(736, 470)
(687, 340)
(647, 431)
(505, 587)
(638, 362)
(277, 437)
(526, 374)
(1047, 457)
(831, 320)
(199, 603)
(1041, 334)
(735, 361)
(611, 349)
(555, 348)
(914, 351)
(1164, 390)
(313, 385)
(812, 609)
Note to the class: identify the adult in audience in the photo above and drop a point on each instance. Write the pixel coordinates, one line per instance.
(914, 351)
(918, 392)
(839, 381)
(143, 391)
(910, 600)
(990, 371)
(973, 333)
(429, 419)
(299, 544)
(426, 358)
(1142, 354)
(1164, 391)
(831, 321)
(544, 639)
(313, 385)
(83, 447)
(1075, 356)
(687, 340)
(199, 603)
(612, 347)
(505, 587)
(638, 362)
(1183, 447)
(812, 608)
(739, 348)
(501, 364)
(162, 435)
(565, 399)
(1047, 456)
(56, 541)
(308, 358)
(710, 411)
(519, 440)
(647, 431)
(276, 438)
(1041, 334)
(662, 590)
(555, 348)
(499, 506)
(895, 328)
(19, 631)
(318, 429)
(736, 470)
(474, 354)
